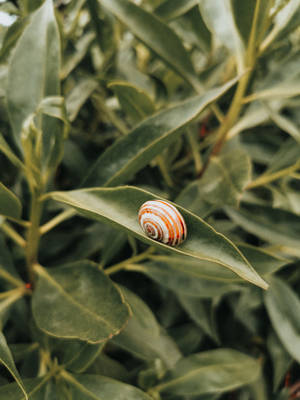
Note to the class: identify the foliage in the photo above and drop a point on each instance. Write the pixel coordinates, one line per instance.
(107, 104)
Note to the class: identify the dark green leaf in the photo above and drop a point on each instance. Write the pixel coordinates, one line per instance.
(143, 336)
(280, 358)
(134, 101)
(170, 9)
(119, 206)
(133, 152)
(37, 55)
(10, 205)
(7, 360)
(93, 387)
(81, 303)
(210, 372)
(36, 389)
(283, 306)
(79, 95)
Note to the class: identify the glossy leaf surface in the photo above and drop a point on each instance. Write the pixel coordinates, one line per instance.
(119, 206)
(84, 301)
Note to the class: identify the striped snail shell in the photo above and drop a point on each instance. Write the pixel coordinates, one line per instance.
(162, 221)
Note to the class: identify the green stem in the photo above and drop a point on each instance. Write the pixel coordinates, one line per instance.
(56, 221)
(10, 278)
(9, 230)
(195, 151)
(267, 178)
(164, 170)
(122, 265)
(33, 236)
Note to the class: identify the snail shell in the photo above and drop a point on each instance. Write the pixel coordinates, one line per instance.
(162, 221)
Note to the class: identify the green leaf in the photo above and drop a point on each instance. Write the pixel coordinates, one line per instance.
(281, 359)
(80, 355)
(224, 181)
(4, 147)
(150, 30)
(35, 388)
(283, 306)
(273, 225)
(134, 101)
(93, 387)
(79, 95)
(218, 16)
(81, 303)
(205, 279)
(170, 9)
(201, 313)
(119, 206)
(210, 372)
(134, 151)
(143, 335)
(10, 205)
(7, 360)
(36, 55)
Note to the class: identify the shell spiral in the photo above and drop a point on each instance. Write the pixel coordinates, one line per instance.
(162, 221)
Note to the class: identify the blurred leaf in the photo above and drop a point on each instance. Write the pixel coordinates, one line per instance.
(201, 313)
(4, 147)
(281, 359)
(83, 300)
(119, 206)
(219, 18)
(93, 387)
(79, 95)
(286, 124)
(12, 36)
(283, 306)
(210, 372)
(131, 153)
(35, 388)
(170, 9)
(37, 55)
(143, 336)
(7, 360)
(10, 205)
(80, 355)
(273, 225)
(134, 101)
(150, 30)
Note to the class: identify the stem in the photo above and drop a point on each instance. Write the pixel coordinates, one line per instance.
(11, 279)
(9, 230)
(264, 179)
(122, 265)
(164, 170)
(195, 151)
(56, 221)
(33, 236)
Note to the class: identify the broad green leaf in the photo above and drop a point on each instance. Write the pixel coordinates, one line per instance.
(81, 303)
(150, 30)
(10, 205)
(7, 360)
(35, 388)
(78, 96)
(210, 372)
(134, 151)
(134, 101)
(218, 16)
(273, 225)
(143, 335)
(170, 9)
(283, 306)
(281, 359)
(34, 67)
(94, 387)
(119, 206)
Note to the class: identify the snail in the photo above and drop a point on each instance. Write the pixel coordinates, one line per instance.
(162, 221)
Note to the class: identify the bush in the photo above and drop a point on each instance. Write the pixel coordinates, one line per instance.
(193, 102)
